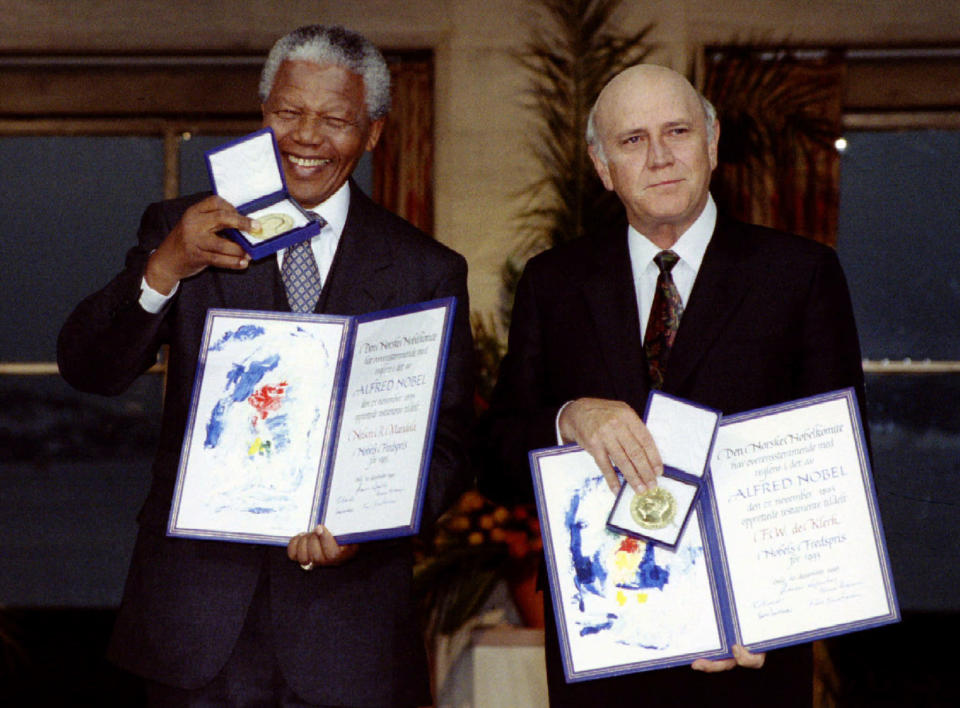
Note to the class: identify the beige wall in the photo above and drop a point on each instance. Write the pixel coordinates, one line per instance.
(481, 163)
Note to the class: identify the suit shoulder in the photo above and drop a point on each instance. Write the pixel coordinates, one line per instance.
(780, 245)
(404, 237)
(178, 205)
(573, 255)
(160, 217)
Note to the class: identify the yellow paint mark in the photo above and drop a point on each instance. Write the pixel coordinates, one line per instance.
(641, 597)
(622, 560)
(621, 598)
(255, 447)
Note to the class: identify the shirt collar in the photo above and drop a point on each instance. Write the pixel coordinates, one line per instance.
(691, 245)
(334, 209)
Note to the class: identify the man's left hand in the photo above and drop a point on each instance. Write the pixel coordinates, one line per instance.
(319, 547)
(741, 657)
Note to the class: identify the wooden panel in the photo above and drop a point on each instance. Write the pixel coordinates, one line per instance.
(928, 83)
(137, 89)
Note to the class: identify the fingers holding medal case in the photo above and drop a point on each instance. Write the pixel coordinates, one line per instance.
(247, 173)
(684, 433)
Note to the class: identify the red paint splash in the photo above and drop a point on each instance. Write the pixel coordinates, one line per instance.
(629, 545)
(268, 398)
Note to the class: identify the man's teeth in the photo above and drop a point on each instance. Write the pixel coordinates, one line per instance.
(307, 161)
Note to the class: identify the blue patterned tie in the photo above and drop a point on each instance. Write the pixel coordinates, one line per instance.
(301, 277)
(664, 320)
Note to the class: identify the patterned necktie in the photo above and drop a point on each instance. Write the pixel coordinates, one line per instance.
(664, 318)
(301, 277)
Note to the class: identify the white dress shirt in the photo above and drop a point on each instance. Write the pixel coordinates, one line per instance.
(324, 246)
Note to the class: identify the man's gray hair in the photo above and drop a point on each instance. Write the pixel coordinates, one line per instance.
(321, 44)
(593, 140)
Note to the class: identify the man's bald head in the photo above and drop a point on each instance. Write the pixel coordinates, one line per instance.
(647, 75)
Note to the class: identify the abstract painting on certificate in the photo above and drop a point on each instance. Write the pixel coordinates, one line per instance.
(622, 604)
(261, 419)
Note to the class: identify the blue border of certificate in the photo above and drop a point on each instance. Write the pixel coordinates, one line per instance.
(325, 470)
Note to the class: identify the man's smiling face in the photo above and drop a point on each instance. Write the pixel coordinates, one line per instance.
(322, 126)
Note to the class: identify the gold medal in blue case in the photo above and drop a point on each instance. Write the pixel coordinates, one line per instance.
(654, 508)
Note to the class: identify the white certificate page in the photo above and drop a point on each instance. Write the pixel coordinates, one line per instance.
(384, 434)
(799, 525)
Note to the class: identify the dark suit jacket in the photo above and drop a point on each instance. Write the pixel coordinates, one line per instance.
(344, 635)
(768, 320)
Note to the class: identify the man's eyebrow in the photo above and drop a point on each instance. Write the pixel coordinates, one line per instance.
(631, 131)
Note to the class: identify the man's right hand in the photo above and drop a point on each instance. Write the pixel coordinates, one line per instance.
(193, 244)
(613, 433)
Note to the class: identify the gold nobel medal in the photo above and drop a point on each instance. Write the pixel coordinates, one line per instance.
(654, 508)
(272, 225)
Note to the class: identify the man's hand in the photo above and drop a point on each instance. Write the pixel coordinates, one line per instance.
(193, 244)
(741, 657)
(612, 432)
(318, 547)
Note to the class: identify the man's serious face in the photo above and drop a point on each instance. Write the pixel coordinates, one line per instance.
(320, 119)
(659, 158)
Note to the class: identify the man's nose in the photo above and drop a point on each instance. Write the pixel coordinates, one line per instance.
(659, 153)
(309, 130)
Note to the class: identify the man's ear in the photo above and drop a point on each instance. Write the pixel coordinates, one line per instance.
(712, 147)
(603, 171)
(376, 127)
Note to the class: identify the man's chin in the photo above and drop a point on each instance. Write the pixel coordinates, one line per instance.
(309, 198)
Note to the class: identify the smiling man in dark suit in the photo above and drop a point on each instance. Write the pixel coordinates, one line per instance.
(756, 317)
(217, 623)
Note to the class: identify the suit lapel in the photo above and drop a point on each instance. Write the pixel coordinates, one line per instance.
(719, 288)
(608, 287)
(359, 280)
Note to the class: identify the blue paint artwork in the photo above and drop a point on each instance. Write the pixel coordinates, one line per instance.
(261, 423)
(619, 583)
(243, 333)
(649, 574)
(242, 379)
(591, 573)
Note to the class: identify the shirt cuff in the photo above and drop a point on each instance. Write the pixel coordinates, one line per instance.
(153, 301)
(556, 423)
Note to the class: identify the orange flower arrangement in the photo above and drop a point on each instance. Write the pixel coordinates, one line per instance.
(473, 546)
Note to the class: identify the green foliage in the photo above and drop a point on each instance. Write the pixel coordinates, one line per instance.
(572, 53)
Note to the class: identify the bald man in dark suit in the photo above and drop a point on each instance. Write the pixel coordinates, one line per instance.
(764, 317)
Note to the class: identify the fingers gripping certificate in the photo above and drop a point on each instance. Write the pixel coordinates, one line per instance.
(299, 419)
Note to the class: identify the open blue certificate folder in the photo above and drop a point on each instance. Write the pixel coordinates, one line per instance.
(783, 544)
(300, 419)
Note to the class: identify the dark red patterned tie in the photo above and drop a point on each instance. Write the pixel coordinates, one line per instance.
(664, 318)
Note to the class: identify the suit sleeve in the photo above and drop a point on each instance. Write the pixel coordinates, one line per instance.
(522, 414)
(109, 339)
(830, 356)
